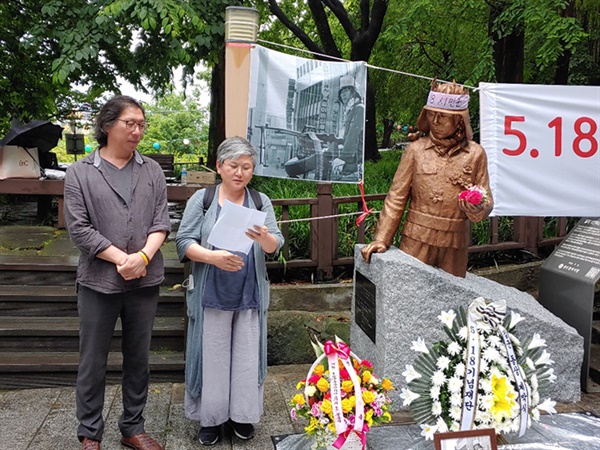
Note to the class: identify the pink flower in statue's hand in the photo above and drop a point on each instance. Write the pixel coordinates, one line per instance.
(474, 195)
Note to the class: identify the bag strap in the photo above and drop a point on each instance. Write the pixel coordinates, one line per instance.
(256, 198)
(209, 195)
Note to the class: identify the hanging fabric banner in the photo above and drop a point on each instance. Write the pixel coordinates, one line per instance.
(306, 117)
(542, 148)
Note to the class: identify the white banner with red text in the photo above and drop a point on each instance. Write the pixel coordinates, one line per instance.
(542, 148)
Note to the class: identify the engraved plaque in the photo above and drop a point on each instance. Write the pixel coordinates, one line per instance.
(365, 305)
(578, 255)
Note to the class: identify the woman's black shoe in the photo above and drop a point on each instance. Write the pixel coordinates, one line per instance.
(209, 435)
(243, 431)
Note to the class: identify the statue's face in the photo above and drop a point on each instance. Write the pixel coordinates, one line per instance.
(441, 125)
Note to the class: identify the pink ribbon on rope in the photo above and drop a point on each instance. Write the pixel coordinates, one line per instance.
(366, 210)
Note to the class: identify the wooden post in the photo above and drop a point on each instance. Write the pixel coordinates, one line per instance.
(532, 234)
(325, 232)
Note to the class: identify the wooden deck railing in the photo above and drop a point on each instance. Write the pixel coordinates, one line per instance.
(527, 232)
(55, 188)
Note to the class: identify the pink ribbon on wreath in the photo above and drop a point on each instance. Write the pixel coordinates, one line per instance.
(342, 351)
(342, 438)
(366, 210)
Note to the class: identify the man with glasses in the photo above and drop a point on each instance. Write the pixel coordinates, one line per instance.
(116, 214)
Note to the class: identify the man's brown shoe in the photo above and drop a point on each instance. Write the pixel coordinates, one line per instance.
(90, 444)
(141, 442)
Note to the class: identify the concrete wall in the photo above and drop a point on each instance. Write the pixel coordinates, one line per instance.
(301, 311)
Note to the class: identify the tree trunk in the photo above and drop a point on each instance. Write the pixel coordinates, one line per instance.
(388, 129)
(509, 55)
(216, 128)
(371, 151)
(561, 76)
(509, 51)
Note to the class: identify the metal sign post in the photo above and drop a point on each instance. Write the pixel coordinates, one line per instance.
(567, 285)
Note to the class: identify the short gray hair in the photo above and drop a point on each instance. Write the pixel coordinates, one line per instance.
(235, 147)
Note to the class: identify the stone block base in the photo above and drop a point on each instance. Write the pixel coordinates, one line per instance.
(409, 297)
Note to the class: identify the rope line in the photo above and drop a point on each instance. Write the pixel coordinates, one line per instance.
(399, 72)
(325, 217)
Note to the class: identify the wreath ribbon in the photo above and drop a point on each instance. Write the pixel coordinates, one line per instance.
(522, 389)
(469, 403)
(342, 438)
(341, 352)
(491, 314)
(483, 315)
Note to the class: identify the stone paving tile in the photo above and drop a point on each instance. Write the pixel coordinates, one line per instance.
(23, 238)
(44, 419)
(21, 413)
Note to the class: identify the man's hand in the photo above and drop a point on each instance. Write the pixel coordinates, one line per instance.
(132, 267)
(375, 246)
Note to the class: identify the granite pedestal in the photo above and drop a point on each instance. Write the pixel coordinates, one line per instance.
(408, 297)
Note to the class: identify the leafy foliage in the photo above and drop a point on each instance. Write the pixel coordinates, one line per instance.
(26, 88)
(173, 119)
(49, 46)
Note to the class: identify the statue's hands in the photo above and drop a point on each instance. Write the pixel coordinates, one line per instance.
(375, 246)
(470, 208)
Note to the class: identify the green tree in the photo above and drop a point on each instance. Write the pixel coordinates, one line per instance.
(472, 41)
(174, 119)
(422, 40)
(52, 45)
(26, 88)
(361, 23)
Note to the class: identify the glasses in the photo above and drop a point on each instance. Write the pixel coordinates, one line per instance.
(131, 125)
(246, 169)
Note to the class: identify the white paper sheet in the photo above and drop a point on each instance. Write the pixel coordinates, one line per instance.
(229, 232)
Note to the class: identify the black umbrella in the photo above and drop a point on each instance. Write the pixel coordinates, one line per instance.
(38, 133)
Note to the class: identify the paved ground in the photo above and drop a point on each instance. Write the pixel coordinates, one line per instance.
(44, 419)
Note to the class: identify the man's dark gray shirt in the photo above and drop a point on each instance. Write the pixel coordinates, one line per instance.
(98, 217)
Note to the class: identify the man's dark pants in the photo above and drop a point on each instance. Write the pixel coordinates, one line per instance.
(98, 314)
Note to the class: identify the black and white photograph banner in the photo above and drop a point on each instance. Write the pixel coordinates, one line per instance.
(306, 117)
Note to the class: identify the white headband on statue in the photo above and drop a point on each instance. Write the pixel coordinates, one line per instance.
(452, 102)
